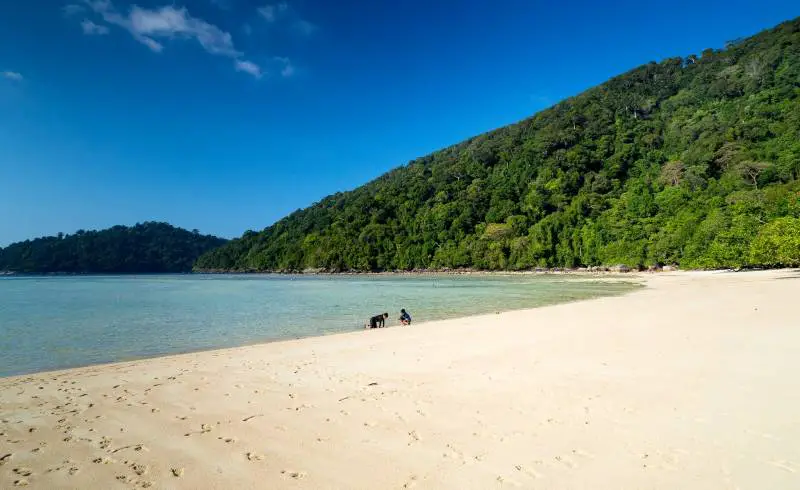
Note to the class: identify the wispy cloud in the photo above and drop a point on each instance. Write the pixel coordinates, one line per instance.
(274, 12)
(169, 22)
(248, 67)
(92, 29)
(150, 26)
(271, 12)
(304, 27)
(287, 69)
(13, 75)
(73, 9)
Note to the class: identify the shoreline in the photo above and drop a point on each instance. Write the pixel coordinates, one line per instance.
(637, 281)
(620, 270)
(688, 382)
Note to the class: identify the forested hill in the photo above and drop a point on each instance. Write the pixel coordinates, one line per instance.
(692, 161)
(146, 247)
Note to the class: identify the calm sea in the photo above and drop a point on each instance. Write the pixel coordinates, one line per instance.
(58, 322)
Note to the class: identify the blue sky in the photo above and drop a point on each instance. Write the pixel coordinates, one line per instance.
(225, 115)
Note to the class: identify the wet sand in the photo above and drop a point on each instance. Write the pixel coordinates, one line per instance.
(689, 383)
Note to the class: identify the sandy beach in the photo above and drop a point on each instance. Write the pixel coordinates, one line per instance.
(692, 383)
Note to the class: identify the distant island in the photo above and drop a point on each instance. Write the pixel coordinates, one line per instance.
(149, 247)
(693, 161)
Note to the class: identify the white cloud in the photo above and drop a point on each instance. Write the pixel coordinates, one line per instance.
(248, 67)
(90, 28)
(154, 45)
(12, 75)
(287, 69)
(305, 27)
(168, 22)
(73, 9)
(271, 12)
(267, 12)
(150, 25)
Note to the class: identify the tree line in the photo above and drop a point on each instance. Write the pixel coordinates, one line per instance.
(143, 248)
(692, 161)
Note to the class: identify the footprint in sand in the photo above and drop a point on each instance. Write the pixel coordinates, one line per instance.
(528, 471)
(6, 458)
(297, 475)
(177, 472)
(411, 483)
(784, 465)
(22, 471)
(254, 457)
(21, 483)
(566, 461)
(414, 437)
(507, 481)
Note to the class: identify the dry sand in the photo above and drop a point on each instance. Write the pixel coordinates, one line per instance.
(693, 382)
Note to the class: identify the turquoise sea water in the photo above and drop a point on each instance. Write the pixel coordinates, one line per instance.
(58, 322)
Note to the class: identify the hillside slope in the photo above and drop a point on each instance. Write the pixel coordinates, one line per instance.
(144, 248)
(694, 160)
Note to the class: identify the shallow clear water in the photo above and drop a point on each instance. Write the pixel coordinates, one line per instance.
(57, 322)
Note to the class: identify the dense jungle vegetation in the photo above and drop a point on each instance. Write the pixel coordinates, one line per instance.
(144, 248)
(692, 161)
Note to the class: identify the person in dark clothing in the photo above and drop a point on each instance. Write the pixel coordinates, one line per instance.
(378, 321)
(405, 318)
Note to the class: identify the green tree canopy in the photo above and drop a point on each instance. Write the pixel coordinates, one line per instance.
(690, 160)
(143, 248)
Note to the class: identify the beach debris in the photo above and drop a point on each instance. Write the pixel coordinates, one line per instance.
(252, 417)
(297, 475)
(373, 384)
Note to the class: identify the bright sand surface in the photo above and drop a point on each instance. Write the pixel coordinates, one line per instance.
(692, 382)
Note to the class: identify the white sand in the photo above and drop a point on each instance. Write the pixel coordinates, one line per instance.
(692, 383)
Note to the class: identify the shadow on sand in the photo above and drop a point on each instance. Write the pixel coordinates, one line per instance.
(793, 274)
